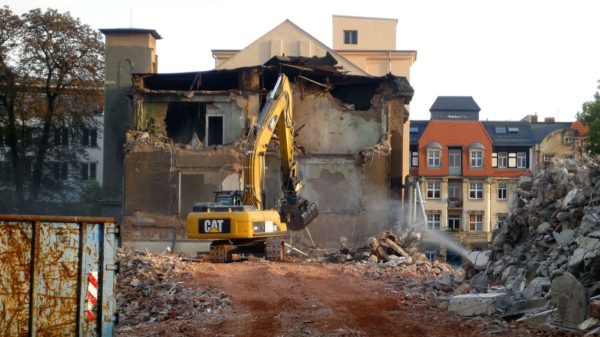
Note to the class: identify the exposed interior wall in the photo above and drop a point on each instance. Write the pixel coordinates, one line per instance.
(344, 156)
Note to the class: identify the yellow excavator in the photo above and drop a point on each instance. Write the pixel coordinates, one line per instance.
(237, 221)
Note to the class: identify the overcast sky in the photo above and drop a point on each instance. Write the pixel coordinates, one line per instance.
(514, 57)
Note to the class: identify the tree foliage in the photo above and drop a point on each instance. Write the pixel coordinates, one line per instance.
(590, 116)
(51, 72)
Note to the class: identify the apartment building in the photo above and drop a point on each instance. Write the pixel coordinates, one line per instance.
(466, 170)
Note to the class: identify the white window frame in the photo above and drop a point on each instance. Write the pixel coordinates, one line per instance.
(88, 168)
(433, 189)
(512, 160)
(434, 158)
(476, 225)
(454, 217)
(502, 160)
(476, 157)
(89, 137)
(502, 191)
(521, 160)
(433, 221)
(476, 190)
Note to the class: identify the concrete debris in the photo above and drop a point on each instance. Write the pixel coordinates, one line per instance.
(475, 304)
(569, 297)
(549, 247)
(156, 288)
(395, 257)
(479, 259)
(526, 306)
(537, 319)
(588, 323)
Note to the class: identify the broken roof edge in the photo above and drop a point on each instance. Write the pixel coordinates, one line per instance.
(316, 69)
(260, 66)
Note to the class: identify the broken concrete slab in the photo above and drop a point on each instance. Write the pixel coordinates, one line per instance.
(565, 237)
(538, 319)
(538, 287)
(444, 282)
(479, 259)
(589, 247)
(526, 306)
(480, 282)
(588, 323)
(569, 297)
(568, 199)
(543, 228)
(475, 304)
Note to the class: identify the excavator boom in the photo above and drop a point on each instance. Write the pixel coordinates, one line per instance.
(276, 117)
(247, 227)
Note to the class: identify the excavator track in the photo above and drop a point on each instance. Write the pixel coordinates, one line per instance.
(226, 251)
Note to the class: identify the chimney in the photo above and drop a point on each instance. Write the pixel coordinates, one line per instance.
(530, 119)
(549, 120)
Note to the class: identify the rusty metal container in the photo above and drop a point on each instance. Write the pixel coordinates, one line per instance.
(57, 275)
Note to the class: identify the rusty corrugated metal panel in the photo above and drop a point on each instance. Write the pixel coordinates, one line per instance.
(44, 267)
(15, 275)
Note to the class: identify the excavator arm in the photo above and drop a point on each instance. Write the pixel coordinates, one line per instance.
(276, 117)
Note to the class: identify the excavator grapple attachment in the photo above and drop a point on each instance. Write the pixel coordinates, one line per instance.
(297, 212)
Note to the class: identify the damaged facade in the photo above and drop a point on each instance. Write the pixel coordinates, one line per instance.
(188, 138)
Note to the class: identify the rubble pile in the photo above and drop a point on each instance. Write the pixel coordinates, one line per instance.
(140, 139)
(156, 288)
(396, 258)
(546, 256)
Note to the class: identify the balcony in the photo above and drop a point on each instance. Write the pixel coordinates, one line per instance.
(465, 237)
(455, 203)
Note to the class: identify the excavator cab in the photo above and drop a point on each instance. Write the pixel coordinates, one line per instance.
(228, 198)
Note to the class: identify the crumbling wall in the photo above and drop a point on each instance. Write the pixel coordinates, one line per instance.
(346, 170)
(332, 128)
(344, 161)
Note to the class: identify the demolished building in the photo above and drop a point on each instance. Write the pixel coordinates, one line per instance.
(188, 135)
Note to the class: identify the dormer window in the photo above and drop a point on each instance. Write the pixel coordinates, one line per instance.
(476, 155)
(350, 37)
(434, 155)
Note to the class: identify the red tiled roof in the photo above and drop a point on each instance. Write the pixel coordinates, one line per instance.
(583, 130)
(460, 134)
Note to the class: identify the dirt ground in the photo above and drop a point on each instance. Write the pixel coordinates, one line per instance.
(314, 299)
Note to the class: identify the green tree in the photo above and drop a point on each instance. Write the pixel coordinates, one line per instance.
(590, 116)
(51, 72)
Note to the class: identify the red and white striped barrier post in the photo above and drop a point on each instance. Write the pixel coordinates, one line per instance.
(92, 296)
